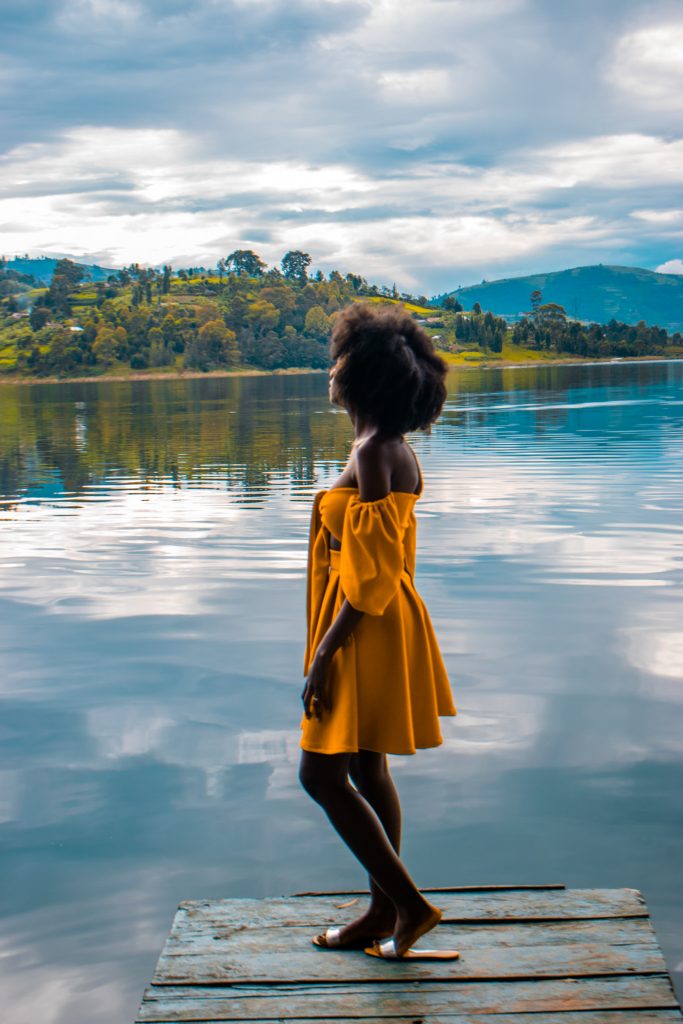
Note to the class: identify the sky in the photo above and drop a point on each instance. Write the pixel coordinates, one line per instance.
(427, 143)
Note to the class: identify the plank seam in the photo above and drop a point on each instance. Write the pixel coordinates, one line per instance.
(458, 888)
(462, 979)
(293, 986)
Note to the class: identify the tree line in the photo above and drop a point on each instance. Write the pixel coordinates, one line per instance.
(242, 313)
(547, 327)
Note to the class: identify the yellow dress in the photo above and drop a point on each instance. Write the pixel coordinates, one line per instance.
(388, 681)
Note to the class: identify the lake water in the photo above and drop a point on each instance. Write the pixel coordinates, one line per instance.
(152, 598)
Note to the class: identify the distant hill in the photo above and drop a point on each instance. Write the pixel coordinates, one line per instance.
(43, 268)
(596, 294)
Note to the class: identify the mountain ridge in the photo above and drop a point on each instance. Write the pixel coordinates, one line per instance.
(42, 268)
(596, 293)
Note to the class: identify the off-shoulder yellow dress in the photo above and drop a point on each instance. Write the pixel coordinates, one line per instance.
(388, 681)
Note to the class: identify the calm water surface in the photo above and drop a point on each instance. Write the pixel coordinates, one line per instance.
(152, 600)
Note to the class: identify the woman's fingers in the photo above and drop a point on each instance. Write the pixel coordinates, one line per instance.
(316, 692)
(306, 697)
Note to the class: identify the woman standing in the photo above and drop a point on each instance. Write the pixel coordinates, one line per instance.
(376, 681)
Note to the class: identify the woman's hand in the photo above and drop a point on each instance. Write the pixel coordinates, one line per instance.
(316, 695)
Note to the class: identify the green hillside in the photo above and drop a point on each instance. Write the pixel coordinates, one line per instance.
(237, 316)
(243, 316)
(42, 268)
(593, 294)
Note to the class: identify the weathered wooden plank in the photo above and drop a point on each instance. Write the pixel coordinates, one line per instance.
(317, 912)
(588, 1017)
(504, 959)
(295, 942)
(638, 994)
(243, 953)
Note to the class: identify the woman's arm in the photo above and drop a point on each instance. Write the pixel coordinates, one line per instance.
(340, 630)
(373, 473)
(316, 695)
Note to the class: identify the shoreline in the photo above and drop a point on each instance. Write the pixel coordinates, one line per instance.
(146, 375)
(498, 364)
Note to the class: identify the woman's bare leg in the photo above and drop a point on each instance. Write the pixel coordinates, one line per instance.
(325, 777)
(370, 775)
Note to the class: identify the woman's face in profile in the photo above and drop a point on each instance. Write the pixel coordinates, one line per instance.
(331, 390)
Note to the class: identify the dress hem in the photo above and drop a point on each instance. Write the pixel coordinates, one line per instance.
(374, 750)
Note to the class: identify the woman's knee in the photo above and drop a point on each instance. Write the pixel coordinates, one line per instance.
(309, 778)
(369, 769)
(321, 776)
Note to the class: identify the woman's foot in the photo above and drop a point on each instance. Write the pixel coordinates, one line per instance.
(410, 926)
(375, 923)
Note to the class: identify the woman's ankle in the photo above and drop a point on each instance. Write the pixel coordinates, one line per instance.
(381, 910)
(418, 906)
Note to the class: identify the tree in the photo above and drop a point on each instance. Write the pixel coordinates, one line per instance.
(171, 330)
(295, 264)
(166, 284)
(550, 321)
(264, 316)
(245, 261)
(38, 317)
(159, 354)
(121, 342)
(356, 281)
(536, 298)
(317, 322)
(214, 345)
(282, 297)
(69, 271)
(452, 304)
(104, 346)
(67, 275)
(551, 315)
(476, 309)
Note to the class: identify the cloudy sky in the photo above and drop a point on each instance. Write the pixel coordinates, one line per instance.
(429, 143)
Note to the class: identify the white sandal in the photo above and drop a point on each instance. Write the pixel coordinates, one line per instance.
(386, 950)
(329, 938)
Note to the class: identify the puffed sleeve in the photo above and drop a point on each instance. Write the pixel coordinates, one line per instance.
(372, 553)
(317, 573)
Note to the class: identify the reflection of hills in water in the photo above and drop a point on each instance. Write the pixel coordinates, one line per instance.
(247, 435)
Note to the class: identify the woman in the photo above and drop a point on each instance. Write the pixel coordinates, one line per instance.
(376, 682)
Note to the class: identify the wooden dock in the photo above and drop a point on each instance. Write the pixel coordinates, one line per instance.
(528, 955)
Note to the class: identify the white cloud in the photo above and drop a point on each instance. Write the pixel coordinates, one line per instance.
(617, 161)
(429, 85)
(663, 217)
(670, 267)
(155, 195)
(408, 142)
(648, 64)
